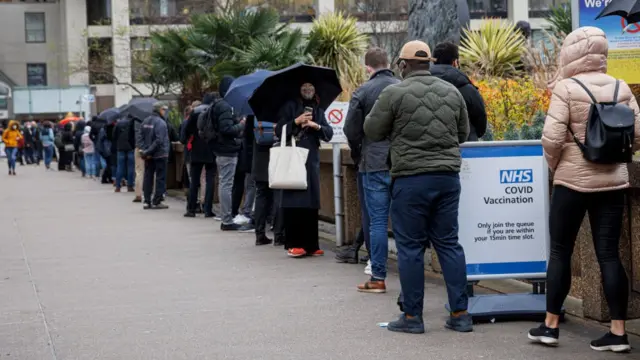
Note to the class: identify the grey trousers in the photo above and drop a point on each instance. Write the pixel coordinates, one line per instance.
(226, 171)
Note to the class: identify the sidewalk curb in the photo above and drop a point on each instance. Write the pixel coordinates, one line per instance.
(573, 305)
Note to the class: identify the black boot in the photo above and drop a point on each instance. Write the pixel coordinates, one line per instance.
(280, 241)
(263, 240)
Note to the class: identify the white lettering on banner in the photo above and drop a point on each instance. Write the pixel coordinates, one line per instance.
(336, 115)
(596, 3)
(503, 210)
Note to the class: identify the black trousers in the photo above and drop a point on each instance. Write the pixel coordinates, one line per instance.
(301, 229)
(265, 200)
(196, 171)
(605, 209)
(155, 168)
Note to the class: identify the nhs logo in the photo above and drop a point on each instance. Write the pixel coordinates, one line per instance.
(516, 176)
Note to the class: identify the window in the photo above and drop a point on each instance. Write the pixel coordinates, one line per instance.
(34, 28)
(99, 12)
(4, 104)
(541, 8)
(36, 74)
(479, 9)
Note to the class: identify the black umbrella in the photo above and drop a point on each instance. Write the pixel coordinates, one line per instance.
(109, 115)
(284, 85)
(628, 9)
(139, 108)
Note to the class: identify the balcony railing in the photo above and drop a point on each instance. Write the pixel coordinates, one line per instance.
(374, 10)
(165, 12)
(479, 9)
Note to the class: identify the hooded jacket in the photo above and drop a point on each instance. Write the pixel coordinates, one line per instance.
(87, 144)
(583, 56)
(228, 127)
(471, 96)
(10, 137)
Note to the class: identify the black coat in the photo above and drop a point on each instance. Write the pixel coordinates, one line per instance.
(121, 135)
(308, 139)
(228, 129)
(201, 151)
(245, 158)
(29, 137)
(471, 96)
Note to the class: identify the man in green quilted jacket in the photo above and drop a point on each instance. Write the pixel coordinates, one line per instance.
(426, 120)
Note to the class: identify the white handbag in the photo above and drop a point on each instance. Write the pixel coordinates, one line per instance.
(287, 169)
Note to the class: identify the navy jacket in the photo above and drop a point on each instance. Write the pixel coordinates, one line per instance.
(368, 155)
(153, 137)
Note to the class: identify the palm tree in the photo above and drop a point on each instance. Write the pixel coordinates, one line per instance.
(560, 20)
(171, 64)
(336, 42)
(272, 53)
(217, 40)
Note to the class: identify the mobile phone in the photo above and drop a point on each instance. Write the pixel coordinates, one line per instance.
(308, 109)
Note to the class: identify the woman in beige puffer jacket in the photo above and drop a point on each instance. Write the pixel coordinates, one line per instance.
(583, 187)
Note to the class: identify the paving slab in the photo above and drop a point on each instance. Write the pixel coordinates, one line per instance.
(86, 274)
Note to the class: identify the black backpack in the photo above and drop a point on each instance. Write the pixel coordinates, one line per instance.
(610, 130)
(207, 124)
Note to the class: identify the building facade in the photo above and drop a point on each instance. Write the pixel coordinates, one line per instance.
(45, 42)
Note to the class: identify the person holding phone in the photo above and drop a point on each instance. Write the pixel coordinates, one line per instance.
(304, 119)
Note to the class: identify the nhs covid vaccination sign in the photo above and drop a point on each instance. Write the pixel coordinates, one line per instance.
(503, 209)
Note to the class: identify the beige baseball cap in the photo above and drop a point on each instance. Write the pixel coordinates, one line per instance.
(416, 50)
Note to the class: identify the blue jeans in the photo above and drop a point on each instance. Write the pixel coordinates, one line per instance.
(377, 191)
(91, 162)
(425, 207)
(126, 165)
(48, 155)
(364, 214)
(11, 157)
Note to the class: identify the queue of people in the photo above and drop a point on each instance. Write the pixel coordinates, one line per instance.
(405, 138)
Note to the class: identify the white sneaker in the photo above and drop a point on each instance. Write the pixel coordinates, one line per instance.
(367, 269)
(241, 220)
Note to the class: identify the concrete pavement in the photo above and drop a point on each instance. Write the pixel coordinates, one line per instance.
(86, 274)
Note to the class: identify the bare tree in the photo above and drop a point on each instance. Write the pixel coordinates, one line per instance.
(385, 21)
(99, 62)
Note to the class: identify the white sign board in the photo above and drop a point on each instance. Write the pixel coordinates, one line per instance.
(89, 98)
(4, 114)
(2, 154)
(504, 206)
(336, 115)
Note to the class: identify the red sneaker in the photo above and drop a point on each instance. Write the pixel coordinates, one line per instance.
(296, 253)
(318, 253)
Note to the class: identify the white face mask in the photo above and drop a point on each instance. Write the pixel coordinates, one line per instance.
(14, 127)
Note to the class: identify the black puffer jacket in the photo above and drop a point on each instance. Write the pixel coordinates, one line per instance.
(228, 127)
(471, 96)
